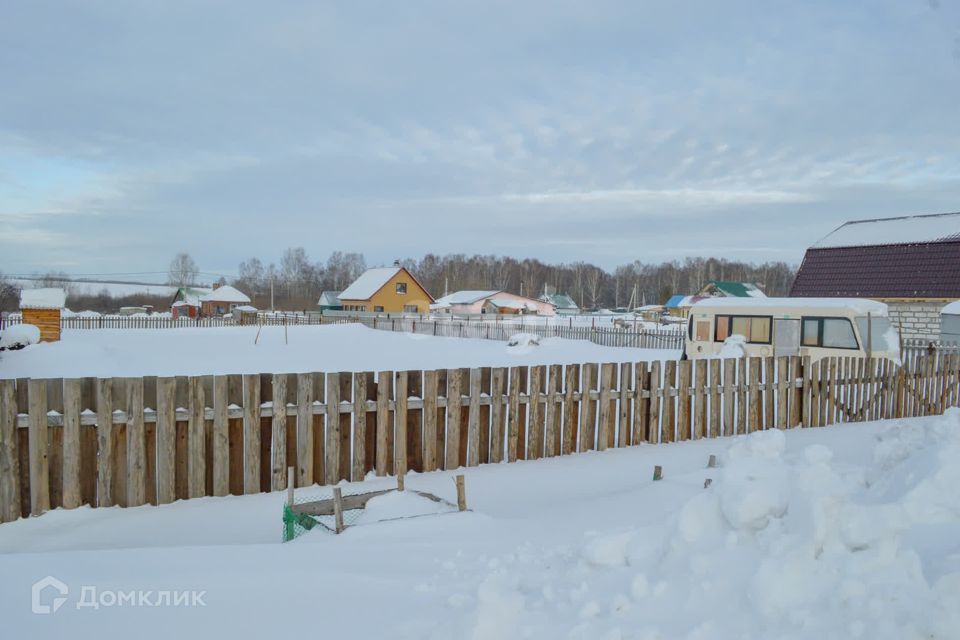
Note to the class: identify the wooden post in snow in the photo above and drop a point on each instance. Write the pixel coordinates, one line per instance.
(338, 509)
(461, 493)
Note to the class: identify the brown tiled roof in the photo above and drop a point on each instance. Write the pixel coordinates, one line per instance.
(914, 270)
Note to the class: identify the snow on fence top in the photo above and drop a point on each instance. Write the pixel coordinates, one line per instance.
(940, 227)
(369, 283)
(859, 305)
(226, 293)
(49, 298)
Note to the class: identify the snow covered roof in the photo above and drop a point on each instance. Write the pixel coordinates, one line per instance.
(191, 295)
(939, 227)
(466, 297)
(734, 289)
(560, 300)
(226, 293)
(513, 304)
(244, 307)
(953, 308)
(48, 298)
(371, 281)
(858, 305)
(329, 299)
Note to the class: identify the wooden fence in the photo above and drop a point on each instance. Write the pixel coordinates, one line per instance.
(134, 441)
(607, 336)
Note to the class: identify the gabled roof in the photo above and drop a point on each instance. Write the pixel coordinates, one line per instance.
(674, 302)
(938, 227)
(191, 295)
(372, 280)
(329, 299)
(737, 289)
(226, 293)
(921, 270)
(48, 298)
(560, 300)
(466, 297)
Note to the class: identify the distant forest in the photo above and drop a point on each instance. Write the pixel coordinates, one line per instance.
(297, 281)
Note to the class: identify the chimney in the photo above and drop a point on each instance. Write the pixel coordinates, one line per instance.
(396, 263)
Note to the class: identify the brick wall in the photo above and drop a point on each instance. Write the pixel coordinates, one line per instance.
(919, 319)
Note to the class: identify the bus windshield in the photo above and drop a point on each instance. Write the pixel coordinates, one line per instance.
(883, 336)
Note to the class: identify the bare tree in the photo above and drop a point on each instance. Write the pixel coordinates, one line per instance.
(8, 295)
(183, 270)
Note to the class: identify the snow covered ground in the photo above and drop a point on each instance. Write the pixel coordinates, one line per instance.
(843, 532)
(200, 351)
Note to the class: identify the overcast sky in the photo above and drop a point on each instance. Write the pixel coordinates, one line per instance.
(599, 131)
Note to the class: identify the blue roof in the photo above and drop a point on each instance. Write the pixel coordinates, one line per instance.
(674, 302)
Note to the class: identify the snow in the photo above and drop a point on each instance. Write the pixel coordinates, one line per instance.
(858, 305)
(839, 532)
(19, 336)
(371, 281)
(344, 347)
(46, 298)
(735, 346)
(953, 308)
(245, 307)
(226, 293)
(903, 230)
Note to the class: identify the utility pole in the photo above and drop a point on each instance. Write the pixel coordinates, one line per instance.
(271, 295)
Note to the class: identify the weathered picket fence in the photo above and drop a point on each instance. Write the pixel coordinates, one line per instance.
(133, 441)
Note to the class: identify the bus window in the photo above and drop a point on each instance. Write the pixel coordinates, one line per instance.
(829, 333)
(838, 334)
(703, 330)
(756, 329)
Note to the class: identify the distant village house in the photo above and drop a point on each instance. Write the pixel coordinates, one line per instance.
(386, 290)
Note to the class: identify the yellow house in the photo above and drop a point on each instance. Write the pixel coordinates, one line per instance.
(387, 290)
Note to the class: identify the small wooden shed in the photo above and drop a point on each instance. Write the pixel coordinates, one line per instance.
(41, 308)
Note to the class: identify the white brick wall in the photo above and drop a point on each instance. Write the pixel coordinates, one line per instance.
(918, 319)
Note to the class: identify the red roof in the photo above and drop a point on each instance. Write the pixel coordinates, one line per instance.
(910, 270)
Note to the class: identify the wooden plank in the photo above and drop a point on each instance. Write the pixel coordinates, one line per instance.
(604, 420)
(71, 493)
(9, 456)
(714, 421)
(136, 444)
(196, 440)
(485, 408)
(668, 430)
(553, 411)
(641, 403)
(624, 427)
(756, 396)
(535, 414)
(415, 425)
(473, 419)
(700, 400)
(104, 390)
(402, 394)
(684, 375)
(278, 433)
(742, 386)
(221, 436)
(498, 377)
(830, 383)
(251, 433)
(588, 407)
(384, 426)
(513, 415)
(166, 440)
(728, 426)
(55, 442)
(304, 428)
(783, 391)
(430, 389)
(332, 440)
(370, 426)
(358, 466)
(770, 392)
(815, 394)
(454, 402)
(571, 409)
(39, 463)
(319, 381)
(653, 422)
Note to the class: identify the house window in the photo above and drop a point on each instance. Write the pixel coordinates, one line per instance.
(410, 308)
(756, 329)
(830, 333)
(401, 288)
(378, 309)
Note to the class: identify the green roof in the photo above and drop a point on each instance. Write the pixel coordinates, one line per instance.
(736, 289)
(560, 301)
